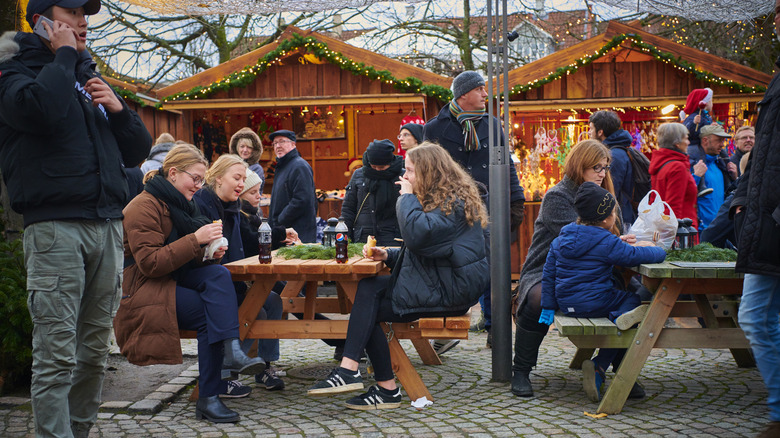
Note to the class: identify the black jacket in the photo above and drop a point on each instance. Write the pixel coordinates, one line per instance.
(293, 202)
(443, 261)
(229, 213)
(61, 157)
(445, 130)
(250, 222)
(759, 224)
(359, 213)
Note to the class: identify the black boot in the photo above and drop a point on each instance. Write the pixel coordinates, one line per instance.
(526, 351)
(237, 362)
(212, 409)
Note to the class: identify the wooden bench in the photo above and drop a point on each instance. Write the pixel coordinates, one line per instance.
(587, 334)
(420, 332)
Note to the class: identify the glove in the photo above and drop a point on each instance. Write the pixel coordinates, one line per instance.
(516, 214)
(546, 317)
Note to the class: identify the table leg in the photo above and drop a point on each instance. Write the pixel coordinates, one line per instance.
(346, 292)
(581, 356)
(255, 298)
(644, 340)
(426, 351)
(405, 372)
(311, 298)
(743, 357)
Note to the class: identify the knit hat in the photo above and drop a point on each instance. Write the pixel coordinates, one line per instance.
(696, 97)
(380, 152)
(465, 82)
(713, 129)
(593, 203)
(252, 179)
(91, 7)
(415, 129)
(283, 133)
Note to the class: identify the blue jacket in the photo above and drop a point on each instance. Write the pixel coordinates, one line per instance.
(445, 130)
(443, 261)
(622, 172)
(293, 202)
(693, 130)
(578, 271)
(213, 208)
(61, 157)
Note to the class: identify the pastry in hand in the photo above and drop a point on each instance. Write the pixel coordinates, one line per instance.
(370, 244)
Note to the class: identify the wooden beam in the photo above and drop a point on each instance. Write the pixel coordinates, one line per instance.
(620, 102)
(369, 99)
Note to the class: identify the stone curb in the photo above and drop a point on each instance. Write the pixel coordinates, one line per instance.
(153, 402)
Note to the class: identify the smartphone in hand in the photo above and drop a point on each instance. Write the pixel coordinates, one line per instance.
(40, 30)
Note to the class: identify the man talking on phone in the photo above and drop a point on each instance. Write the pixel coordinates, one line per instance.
(64, 139)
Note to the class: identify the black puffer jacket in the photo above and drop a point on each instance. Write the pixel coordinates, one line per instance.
(61, 157)
(359, 213)
(293, 202)
(443, 262)
(759, 224)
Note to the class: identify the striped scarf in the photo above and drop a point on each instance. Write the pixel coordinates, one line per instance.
(467, 119)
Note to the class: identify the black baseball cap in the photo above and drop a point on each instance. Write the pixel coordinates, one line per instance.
(91, 7)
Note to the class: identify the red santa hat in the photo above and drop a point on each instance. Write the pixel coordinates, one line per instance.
(696, 97)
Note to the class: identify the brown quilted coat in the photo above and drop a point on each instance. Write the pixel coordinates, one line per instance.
(145, 325)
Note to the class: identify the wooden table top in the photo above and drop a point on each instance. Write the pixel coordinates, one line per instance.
(278, 265)
(691, 270)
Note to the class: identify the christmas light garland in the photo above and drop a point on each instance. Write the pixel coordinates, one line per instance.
(319, 49)
(636, 41)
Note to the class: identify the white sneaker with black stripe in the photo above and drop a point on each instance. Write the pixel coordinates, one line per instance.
(339, 380)
(376, 398)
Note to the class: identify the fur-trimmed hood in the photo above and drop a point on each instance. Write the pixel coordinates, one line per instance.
(257, 145)
(8, 46)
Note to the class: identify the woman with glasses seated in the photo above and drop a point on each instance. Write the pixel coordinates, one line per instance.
(167, 285)
(588, 161)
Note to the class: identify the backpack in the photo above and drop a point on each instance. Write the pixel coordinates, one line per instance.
(640, 173)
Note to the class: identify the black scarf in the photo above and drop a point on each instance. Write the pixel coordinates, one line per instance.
(381, 183)
(185, 214)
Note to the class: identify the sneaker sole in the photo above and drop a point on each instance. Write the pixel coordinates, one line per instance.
(631, 318)
(447, 347)
(257, 368)
(589, 380)
(373, 407)
(234, 396)
(336, 389)
(274, 388)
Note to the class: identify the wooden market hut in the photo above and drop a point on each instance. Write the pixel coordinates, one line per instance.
(156, 120)
(336, 97)
(636, 74)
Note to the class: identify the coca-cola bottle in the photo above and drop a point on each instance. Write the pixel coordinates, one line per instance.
(264, 242)
(341, 241)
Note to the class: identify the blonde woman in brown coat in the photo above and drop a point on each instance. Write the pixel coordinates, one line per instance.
(167, 286)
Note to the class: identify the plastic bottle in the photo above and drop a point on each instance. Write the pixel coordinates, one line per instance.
(264, 242)
(341, 241)
(329, 233)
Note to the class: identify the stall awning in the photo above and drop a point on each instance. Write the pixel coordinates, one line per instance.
(364, 99)
(624, 102)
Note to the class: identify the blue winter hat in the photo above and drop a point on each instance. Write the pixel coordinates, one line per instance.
(284, 133)
(91, 7)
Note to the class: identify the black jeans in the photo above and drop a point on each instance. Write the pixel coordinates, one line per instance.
(373, 304)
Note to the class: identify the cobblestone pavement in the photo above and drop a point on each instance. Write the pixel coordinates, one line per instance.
(690, 393)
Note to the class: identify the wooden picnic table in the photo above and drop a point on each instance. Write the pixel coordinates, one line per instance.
(711, 285)
(309, 273)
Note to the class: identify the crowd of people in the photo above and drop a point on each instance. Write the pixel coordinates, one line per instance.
(97, 228)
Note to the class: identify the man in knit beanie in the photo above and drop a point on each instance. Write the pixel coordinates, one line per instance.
(462, 128)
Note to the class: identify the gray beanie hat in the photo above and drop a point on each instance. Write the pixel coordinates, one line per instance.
(465, 82)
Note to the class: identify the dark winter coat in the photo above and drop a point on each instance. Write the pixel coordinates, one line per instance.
(578, 272)
(229, 213)
(445, 130)
(359, 213)
(622, 172)
(758, 226)
(443, 262)
(674, 182)
(250, 222)
(61, 157)
(293, 202)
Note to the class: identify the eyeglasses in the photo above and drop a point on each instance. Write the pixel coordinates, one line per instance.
(280, 142)
(598, 168)
(404, 135)
(197, 180)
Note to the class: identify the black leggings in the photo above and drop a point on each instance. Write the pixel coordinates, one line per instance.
(531, 310)
(373, 304)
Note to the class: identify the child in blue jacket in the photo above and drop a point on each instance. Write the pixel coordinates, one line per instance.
(577, 277)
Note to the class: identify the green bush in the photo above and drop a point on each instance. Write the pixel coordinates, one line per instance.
(15, 324)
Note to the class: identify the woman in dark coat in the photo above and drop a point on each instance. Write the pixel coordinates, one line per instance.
(441, 270)
(167, 286)
(369, 202)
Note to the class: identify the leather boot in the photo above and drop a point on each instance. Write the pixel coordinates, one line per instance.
(212, 409)
(526, 352)
(237, 362)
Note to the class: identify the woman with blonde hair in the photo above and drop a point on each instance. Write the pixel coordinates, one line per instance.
(441, 270)
(587, 161)
(167, 285)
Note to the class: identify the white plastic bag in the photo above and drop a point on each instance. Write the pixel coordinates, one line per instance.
(213, 246)
(655, 221)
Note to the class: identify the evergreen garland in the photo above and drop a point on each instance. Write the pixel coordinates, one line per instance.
(636, 41)
(319, 49)
(703, 252)
(317, 252)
